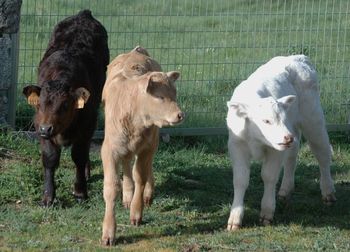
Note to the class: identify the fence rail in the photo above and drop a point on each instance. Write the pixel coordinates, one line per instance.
(214, 44)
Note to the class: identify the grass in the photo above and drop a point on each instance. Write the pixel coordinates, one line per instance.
(190, 209)
(214, 44)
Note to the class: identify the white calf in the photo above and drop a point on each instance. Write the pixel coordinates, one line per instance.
(266, 116)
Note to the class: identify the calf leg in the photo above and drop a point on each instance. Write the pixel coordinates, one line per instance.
(80, 156)
(149, 188)
(270, 172)
(241, 171)
(111, 186)
(141, 173)
(289, 163)
(50, 155)
(317, 138)
(128, 183)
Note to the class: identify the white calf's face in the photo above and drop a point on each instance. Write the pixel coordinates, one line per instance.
(268, 121)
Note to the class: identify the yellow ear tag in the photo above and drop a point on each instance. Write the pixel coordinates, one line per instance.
(33, 99)
(80, 103)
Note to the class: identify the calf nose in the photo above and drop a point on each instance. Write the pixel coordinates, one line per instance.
(45, 130)
(288, 139)
(181, 116)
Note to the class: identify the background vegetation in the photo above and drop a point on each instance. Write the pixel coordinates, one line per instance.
(214, 44)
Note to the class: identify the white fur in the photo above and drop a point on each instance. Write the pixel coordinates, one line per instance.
(266, 116)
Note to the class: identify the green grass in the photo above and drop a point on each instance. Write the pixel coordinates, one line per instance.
(190, 209)
(214, 44)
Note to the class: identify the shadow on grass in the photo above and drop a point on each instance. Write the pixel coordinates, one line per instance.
(209, 188)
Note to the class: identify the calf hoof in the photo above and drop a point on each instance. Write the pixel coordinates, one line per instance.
(135, 221)
(329, 200)
(285, 200)
(126, 204)
(46, 202)
(147, 201)
(127, 198)
(233, 227)
(108, 241)
(80, 197)
(265, 221)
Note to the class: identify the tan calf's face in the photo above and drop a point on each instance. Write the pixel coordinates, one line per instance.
(158, 102)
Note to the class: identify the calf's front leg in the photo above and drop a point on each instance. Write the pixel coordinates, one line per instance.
(111, 186)
(270, 171)
(241, 171)
(50, 155)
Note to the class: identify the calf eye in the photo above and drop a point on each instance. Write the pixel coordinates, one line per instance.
(64, 106)
(267, 121)
(160, 97)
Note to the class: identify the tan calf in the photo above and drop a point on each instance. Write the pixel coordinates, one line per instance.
(138, 99)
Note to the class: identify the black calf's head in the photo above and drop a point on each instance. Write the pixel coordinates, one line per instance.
(56, 104)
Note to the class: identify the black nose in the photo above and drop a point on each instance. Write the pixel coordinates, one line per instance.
(181, 116)
(45, 130)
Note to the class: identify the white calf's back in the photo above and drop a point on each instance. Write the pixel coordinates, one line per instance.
(278, 77)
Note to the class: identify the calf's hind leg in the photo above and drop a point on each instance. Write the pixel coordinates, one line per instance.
(128, 183)
(142, 171)
(149, 188)
(318, 141)
(80, 156)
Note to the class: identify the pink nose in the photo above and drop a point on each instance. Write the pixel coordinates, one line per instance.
(288, 139)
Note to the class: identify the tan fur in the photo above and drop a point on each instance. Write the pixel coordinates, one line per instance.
(138, 99)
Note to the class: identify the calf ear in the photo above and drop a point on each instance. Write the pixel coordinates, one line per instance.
(173, 75)
(155, 80)
(82, 95)
(286, 101)
(32, 93)
(239, 108)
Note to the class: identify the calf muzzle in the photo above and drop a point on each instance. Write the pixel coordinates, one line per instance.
(181, 116)
(45, 130)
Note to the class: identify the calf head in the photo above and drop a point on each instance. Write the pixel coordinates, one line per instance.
(267, 120)
(158, 99)
(56, 104)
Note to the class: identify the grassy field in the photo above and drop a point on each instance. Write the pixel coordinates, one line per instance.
(190, 209)
(214, 44)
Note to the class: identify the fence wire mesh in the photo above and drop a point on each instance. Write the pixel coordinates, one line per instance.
(214, 44)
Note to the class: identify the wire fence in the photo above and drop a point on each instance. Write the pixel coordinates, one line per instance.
(214, 44)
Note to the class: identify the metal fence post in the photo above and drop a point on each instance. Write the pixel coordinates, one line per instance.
(9, 41)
